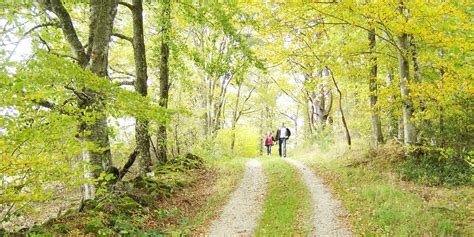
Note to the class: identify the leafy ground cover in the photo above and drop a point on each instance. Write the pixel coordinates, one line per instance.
(182, 198)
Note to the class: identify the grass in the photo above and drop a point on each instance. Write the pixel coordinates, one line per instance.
(381, 203)
(287, 204)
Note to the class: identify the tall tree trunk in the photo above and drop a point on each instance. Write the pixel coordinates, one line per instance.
(374, 108)
(164, 77)
(96, 60)
(101, 25)
(404, 68)
(142, 135)
(407, 106)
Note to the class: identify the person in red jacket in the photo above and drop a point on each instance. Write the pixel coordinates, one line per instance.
(269, 142)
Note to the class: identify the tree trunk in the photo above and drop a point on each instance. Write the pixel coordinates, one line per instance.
(404, 68)
(374, 108)
(308, 122)
(142, 135)
(101, 25)
(407, 106)
(164, 77)
(235, 116)
(346, 129)
(96, 60)
(392, 119)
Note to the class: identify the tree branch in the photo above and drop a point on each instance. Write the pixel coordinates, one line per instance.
(126, 83)
(124, 37)
(128, 5)
(131, 159)
(121, 72)
(69, 31)
(40, 26)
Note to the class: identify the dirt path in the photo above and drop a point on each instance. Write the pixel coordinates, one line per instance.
(326, 209)
(241, 214)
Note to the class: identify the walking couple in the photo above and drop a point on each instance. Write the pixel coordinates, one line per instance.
(282, 135)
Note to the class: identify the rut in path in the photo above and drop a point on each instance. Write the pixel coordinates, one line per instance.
(326, 209)
(241, 214)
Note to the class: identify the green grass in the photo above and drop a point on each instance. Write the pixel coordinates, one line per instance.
(382, 204)
(287, 204)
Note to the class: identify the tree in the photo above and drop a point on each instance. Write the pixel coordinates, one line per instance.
(164, 76)
(142, 135)
(404, 71)
(376, 124)
(95, 59)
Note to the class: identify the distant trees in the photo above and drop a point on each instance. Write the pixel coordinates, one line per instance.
(316, 35)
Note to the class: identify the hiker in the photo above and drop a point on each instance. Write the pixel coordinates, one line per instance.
(269, 142)
(282, 134)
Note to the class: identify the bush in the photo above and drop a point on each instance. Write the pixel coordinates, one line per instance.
(431, 166)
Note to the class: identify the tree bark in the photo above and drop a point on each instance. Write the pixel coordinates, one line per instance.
(404, 71)
(142, 135)
(96, 60)
(164, 77)
(374, 108)
(101, 19)
(392, 119)
(407, 106)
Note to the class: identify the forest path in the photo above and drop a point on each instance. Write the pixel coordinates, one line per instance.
(241, 214)
(326, 209)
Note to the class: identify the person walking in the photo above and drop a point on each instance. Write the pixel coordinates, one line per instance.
(282, 135)
(269, 142)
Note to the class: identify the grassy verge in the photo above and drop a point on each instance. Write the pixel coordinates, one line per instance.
(287, 204)
(381, 203)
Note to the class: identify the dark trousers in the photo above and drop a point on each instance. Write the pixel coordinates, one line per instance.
(269, 149)
(282, 147)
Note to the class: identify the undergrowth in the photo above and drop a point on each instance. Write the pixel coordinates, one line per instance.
(129, 209)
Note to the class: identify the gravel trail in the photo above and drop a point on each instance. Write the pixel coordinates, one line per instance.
(326, 209)
(241, 214)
